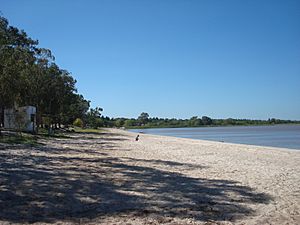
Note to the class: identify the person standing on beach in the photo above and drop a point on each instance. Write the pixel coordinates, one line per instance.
(137, 137)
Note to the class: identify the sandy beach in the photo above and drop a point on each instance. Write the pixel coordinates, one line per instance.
(110, 178)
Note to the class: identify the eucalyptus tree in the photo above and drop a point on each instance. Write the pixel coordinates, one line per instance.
(143, 118)
(17, 55)
(93, 117)
(29, 76)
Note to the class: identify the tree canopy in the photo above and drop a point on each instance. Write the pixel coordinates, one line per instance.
(195, 121)
(29, 76)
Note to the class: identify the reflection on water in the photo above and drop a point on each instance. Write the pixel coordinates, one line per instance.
(284, 136)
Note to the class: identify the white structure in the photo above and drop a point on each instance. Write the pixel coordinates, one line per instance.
(21, 118)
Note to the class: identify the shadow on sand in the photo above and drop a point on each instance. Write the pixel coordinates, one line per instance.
(48, 185)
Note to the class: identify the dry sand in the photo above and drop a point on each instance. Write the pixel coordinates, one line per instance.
(112, 179)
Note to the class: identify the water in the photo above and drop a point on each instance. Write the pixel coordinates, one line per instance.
(283, 136)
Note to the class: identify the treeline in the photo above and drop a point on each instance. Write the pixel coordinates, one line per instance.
(29, 76)
(144, 121)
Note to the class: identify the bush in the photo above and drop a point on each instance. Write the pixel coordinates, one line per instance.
(78, 123)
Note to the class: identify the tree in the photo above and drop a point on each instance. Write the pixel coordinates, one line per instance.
(195, 122)
(143, 118)
(29, 76)
(74, 106)
(119, 122)
(93, 117)
(17, 55)
(206, 120)
(129, 123)
(228, 121)
(78, 123)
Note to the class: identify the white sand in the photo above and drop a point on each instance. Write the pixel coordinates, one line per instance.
(274, 172)
(112, 179)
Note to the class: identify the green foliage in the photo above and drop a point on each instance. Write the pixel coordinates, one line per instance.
(93, 118)
(29, 76)
(143, 118)
(44, 133)
(93, 131)
(192, 122)
(206, 120)
(195, 122)
(119, 122)
(23, 139)
(78, 123)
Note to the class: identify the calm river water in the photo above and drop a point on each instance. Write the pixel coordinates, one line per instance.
(285, 136)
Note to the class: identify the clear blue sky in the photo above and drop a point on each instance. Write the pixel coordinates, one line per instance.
(174, 58)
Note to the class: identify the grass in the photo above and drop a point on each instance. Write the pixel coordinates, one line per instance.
(32, 140)
(24, 139)
(57, 134)
(88, 130)
(29, 139)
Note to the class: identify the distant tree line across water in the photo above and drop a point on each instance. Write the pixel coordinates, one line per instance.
(145, 121)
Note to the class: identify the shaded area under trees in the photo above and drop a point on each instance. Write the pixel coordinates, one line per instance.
(48, 184)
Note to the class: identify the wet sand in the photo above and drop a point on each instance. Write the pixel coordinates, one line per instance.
(112, 179)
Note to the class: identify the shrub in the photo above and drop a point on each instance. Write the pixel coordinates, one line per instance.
(78, 123)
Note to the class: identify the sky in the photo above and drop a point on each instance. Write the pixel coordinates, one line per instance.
(173, 58)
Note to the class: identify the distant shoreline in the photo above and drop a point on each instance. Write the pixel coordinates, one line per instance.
(282, 136)
(249, 125)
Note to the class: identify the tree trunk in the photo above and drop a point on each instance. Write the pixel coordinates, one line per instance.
(1, 119)
(39, 121)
